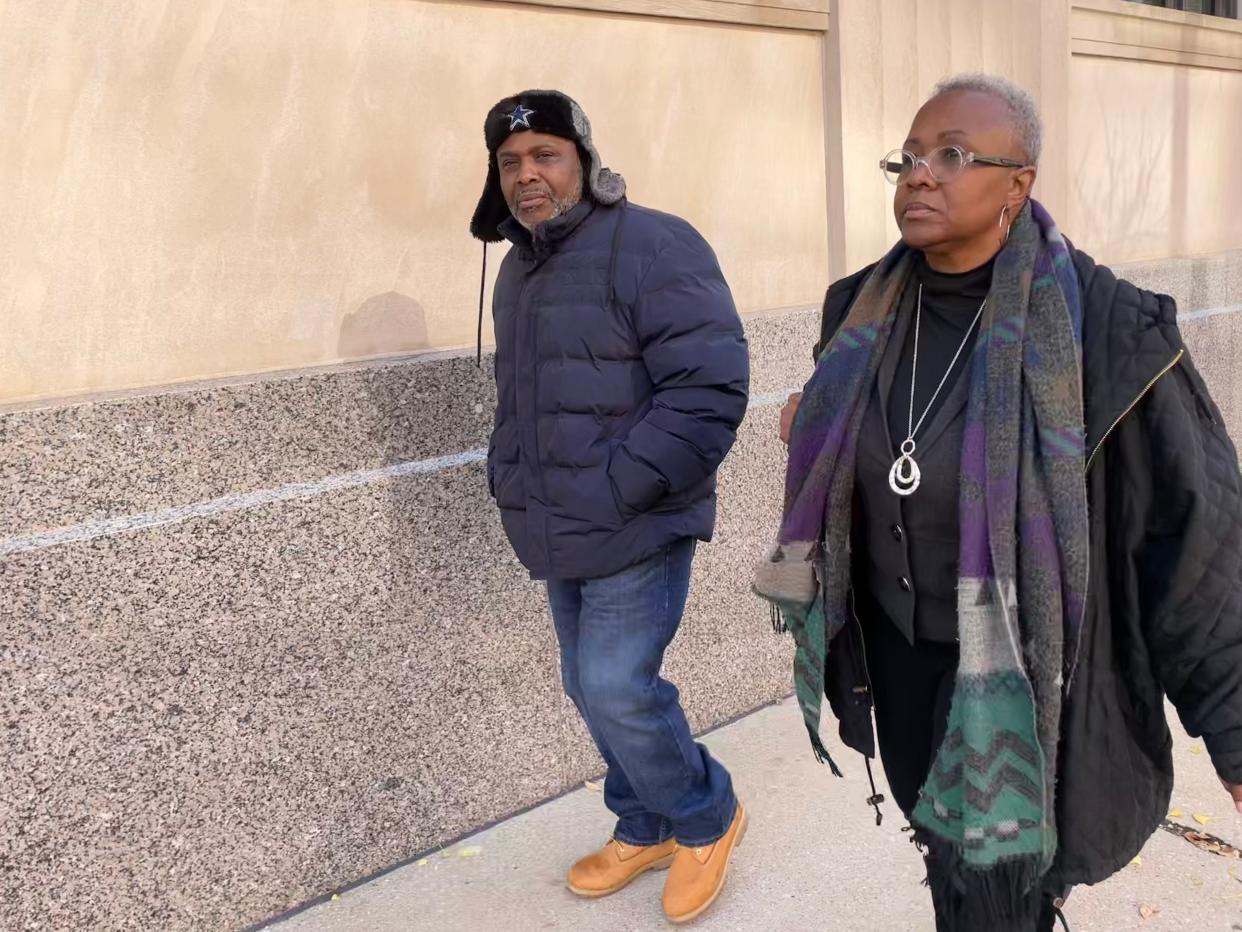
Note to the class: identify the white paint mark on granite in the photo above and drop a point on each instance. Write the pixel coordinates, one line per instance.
(92, 530)
(1209, 312)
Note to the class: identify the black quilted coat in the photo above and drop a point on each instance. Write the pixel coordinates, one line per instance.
(1164, 610)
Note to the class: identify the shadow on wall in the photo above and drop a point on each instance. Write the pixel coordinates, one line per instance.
(1144, 169)
(386, 323)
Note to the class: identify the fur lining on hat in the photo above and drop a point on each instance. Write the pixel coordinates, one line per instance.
(549, 112)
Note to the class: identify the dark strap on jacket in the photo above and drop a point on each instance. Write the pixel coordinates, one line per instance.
(478, 357)
(612, 259)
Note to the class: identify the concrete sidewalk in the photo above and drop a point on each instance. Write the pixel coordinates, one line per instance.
(813, 860)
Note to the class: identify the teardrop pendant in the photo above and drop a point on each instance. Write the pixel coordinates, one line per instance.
(905, 476)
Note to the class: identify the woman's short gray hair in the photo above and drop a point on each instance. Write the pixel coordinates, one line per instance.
(1027, 126)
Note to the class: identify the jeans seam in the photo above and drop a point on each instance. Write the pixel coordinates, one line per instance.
(725, 831)
(633, 843)
(689, 843)
(668, 725)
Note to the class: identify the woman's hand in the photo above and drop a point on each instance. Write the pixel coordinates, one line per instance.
(787, 415)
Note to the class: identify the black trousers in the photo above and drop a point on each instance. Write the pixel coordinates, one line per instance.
(912, 687)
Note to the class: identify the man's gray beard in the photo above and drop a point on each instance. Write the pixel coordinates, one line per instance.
(560, 207)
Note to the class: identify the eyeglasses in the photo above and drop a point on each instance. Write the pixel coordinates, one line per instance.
(944, 164)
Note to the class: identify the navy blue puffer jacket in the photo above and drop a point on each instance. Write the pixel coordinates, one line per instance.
(622, 376)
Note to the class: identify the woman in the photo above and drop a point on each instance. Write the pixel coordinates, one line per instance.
(1012, 525)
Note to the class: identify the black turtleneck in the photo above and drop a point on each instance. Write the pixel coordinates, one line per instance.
(950, 302)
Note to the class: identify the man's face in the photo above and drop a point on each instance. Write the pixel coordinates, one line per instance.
(540, 175)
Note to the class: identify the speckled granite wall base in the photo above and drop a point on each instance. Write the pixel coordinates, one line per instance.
(262, 639)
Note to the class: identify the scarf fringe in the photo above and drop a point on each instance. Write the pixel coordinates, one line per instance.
(1005, 895)
(821, 752)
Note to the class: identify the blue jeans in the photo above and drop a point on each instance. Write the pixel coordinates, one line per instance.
(613, 633)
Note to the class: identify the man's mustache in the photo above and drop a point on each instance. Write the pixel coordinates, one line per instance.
(533, 189)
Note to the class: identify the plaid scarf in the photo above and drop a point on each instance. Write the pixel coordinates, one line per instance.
(988, 805)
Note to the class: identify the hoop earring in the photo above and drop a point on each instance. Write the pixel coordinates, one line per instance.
(1004, 216)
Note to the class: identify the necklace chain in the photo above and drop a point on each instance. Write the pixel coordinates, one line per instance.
(905, 476)
(913, 428)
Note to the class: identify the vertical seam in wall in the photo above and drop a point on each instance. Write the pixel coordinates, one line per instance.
(834, 149)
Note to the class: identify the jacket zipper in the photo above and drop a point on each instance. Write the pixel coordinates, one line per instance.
(534, 401)
(534, 327)
(1069, 679)
(1133, 404)
(862, 643)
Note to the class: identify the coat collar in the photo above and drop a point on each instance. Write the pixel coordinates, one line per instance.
(547, 237)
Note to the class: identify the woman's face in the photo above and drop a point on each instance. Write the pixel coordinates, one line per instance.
(959, 221)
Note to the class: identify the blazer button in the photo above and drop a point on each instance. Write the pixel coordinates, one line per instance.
(898, 533)
(904, 584)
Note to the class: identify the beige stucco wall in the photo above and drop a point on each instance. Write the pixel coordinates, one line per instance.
(200, 188)
(1155, 112)
(1152, 147)
(196, 188)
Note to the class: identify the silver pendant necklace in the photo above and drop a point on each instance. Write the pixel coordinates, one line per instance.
(905, 476)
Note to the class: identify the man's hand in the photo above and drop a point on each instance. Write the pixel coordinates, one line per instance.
(787, 415)
(1234, 790)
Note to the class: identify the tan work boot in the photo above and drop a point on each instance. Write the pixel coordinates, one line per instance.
(698, 874)
(616, 864)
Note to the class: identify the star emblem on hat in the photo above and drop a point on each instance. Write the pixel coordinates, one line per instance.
(520, 117)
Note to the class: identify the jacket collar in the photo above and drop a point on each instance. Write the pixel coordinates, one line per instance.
(547, 237)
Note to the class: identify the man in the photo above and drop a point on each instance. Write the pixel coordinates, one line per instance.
(622, 376)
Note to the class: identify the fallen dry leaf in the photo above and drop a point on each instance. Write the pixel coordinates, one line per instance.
(1175, 814)
(594, 786)
(335, 897)
(1202, 819)
(1138, 861)
(1202, 840)
(1148, 911)
(472, 852)
(1210, 843)
(1196, 749)
(423, 862)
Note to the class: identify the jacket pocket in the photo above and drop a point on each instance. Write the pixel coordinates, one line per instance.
(624, 512)
(847, 688)
(639, 492)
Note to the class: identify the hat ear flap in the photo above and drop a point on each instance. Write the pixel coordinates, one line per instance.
(492, 210)
(602, 184)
